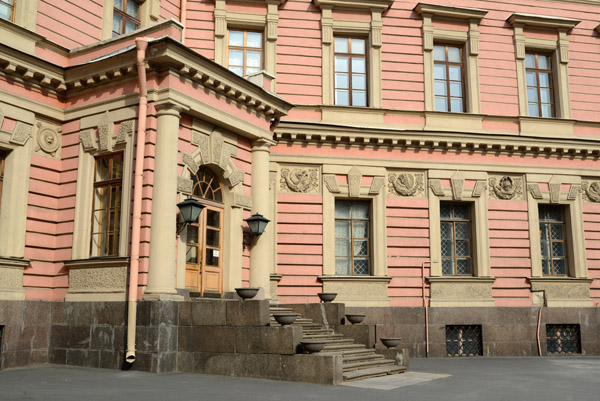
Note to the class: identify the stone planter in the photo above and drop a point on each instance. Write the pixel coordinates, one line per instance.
(390, 342)
(312, 346)
(355, 318)
(327, 296)
(285, 319)
(247, 293)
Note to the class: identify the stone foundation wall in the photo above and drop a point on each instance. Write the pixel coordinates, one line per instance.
(505, 331)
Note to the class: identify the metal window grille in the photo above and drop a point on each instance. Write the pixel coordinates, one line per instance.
(563, 339)
(1, 344)
(464, 340)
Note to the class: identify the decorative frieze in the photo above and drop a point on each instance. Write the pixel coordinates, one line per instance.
(506, 188)
(406, 184)
(591, 191)
(299, 179)
(106, 140)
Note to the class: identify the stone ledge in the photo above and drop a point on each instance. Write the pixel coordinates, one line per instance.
(562, 291)
(97, 279)
(358, 290)
(11, 278)
(460, 291)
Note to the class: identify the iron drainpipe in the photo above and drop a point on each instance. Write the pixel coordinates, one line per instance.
(425, 305)
(183, 18)
(539, 344)
(141, 45)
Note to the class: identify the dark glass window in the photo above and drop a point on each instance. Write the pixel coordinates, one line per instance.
(553, 240)
(455, 225)
(352, 233)
(7, 10)
(106, 217)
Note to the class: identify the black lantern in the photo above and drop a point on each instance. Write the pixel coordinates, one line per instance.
(257, 223)
(189, 210)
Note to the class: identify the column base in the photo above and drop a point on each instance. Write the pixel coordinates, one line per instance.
(163, 297)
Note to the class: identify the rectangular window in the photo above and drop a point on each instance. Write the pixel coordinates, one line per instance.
(553, 240)
(7, 10)
(126, 17)
(540, 96)
(448, 75)
(563, 339)
(352, 233)
(106, 216)
(455, 228)
(464, 340)
(350, 72)
(245, 52)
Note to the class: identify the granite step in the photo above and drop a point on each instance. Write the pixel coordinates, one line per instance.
(348, 367)
(361, 357)
(373, 372)
(326, 336)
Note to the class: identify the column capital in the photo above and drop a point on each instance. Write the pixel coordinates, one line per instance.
(262, 144)
(169, 108)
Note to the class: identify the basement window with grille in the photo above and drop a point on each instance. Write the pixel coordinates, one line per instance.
(464, 340)
(563, 339)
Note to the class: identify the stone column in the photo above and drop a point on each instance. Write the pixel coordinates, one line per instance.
(260, 251)
(162, 269)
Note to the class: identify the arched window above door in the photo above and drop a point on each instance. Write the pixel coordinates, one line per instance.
(207, 185)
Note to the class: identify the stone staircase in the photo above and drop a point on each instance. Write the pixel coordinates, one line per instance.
(359, 362)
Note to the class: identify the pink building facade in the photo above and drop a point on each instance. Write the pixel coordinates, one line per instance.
(406, 154)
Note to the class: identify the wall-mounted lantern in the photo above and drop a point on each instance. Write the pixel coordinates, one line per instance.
(189, 210)
(257, 224)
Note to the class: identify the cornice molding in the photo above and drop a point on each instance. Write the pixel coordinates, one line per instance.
(305, 133)
(355, 4)
(542, 21)
(452, 12)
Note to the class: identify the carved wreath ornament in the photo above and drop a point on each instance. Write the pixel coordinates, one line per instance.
(405, 184)
(506, 188)
(592, 190)
(299, 180)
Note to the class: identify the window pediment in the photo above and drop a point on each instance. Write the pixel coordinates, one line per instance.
(355, 4)
(451, 12)
(542, 21)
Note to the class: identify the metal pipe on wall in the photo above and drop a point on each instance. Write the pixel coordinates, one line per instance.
(183, 18)
(141, 45)
(426, 306)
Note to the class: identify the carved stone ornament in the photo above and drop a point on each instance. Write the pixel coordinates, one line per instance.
(185, 185)
(302, 180)
(405, 184)
(48, 140)
(535, 191)
(331, 183)
(436, 187)
(354, 180)
(376, 185)
(21, 134)
(591, 191)
(505, 188)
(479, 188)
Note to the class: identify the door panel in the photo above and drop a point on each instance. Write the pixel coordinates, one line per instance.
(204, 256)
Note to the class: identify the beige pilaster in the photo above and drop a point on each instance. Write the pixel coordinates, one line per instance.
(262, 247)
(162, 270)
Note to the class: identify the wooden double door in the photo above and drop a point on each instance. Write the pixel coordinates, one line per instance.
(204, 252)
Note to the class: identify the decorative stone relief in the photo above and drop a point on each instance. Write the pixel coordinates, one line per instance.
(535, 191)
(480, 186)
(213, 150)
(331, 183)
(506, 188)
(573, 191)
(21, 134)
(125, 130)
(457, 187)
(105, 131)
(185, 185)
(243, 201)
(354, 179)
(189, 161)
(376, 185)
(47, 140)
(436, 187)
(87, 140)
(272, 180)
(591, 191)
(303, 180)
(554, 185)
(406, 184)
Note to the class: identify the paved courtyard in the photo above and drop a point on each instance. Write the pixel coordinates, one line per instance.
(489, 379)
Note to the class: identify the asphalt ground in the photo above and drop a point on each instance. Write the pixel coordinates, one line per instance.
(448, 379)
